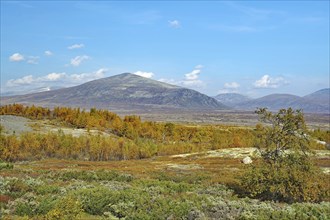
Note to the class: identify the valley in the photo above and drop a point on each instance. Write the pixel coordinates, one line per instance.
(128, 93)
(128, 147)
(70, 163)
(226, 117)
(164, 110)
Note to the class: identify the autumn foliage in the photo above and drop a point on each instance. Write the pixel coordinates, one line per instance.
(119, 139)
(286, 172)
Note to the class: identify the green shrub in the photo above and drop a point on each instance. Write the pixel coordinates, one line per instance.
(47, 189)
(312, 211)
(146, 200)
(166, 187)
(285, 172)
(301, 211)
(288, 182)
(67, 208)
(46, 204)
(192, 178)
(99, 175)
(18, 187)
(25, 205)
(6, 165)
(95, 201)
(24, 209)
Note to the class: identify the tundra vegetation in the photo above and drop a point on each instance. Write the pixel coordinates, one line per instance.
(285, 172)
(130, 169)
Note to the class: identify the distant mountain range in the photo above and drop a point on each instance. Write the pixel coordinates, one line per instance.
(317, 102)
(232, 99)
(131, 92)
(35, 90)
(124, 91)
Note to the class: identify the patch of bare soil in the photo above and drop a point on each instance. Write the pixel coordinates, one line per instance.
(15, 124)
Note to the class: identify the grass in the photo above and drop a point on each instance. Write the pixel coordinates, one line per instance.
(156, 188)
(200, 185)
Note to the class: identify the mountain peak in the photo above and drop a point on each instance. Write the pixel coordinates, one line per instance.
(125, 91)
(124, 75)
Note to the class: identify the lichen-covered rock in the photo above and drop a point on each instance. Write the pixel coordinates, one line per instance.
(247, 160)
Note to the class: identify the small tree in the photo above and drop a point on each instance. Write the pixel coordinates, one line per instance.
(285, 172)
(284, 135)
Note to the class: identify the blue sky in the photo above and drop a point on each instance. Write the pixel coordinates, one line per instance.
(250, 47)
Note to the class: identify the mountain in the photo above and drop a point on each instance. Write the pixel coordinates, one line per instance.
(232, 99)
(310, 103)
(35, 90)
(320, 97)
(124, 91)
(273, 102)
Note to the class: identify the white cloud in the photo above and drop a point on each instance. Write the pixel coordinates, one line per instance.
(232, 85)
(184, 83)
(76, 46)
(16, 57)
(197, 83)
(51, 80)
(100, 73)
(144, 74)
(190, 79)
(33, 60)
(79, 77)
(54, 76)
(268, 82)
(224, 91)
(85, 77)
(174, 24)
(78, 59)
(169, 81)
(48, 53)
(193, 75)
(26, 80)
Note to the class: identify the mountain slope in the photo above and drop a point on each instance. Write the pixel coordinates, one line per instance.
(232, 99)
(320, 97)
(124, 91)
(278, 101)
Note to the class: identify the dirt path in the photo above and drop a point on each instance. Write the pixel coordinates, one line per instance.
(15, 124)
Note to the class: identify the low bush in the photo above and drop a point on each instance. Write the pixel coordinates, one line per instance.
(67, 208)
(301, 211)
(286, 172)
(18, 187)
(95, 201)
(99, 175)
(46, 204)
(191, 177)
(6, 165)
(47, 189)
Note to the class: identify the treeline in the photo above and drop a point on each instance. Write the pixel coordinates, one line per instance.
(133, 128)
(129, 137)
(35, 146)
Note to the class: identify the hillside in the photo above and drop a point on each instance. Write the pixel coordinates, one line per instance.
(232, 99)
(70, 163)
(278, 101)
(320, 97)
(124, 91)
(317, 102)
(273, 101)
